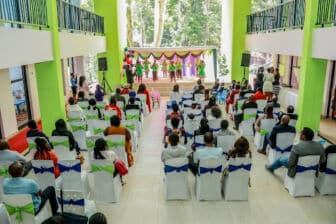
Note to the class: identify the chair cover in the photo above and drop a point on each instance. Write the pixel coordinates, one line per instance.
(284, 144)
(326, 181)
(235, 185)
(177, 187)
(135, 115)
(3, 174)
(91, 117)
(108, 114)
(208, 179)
(215, 126)
(303, 184)
(204, 103)
(199, 97)
(266, 126)
(261, 105)
(292, 122)
(226, 142)
(4, 217)
(276, 111)
(239, 105)
(83, 104)
(121, 105)
(61, 147)
(248, 121)
(190, 126)
(79, 129)
(207, 112)
(103, 171)
(187, 95)
(187, 104)
(101, 105)
(75, 116)
(20, 208)
(176, 96)
(31, 142)
(131, 126)
(143, 99)
(99, 126)
(44, 172)
(126, 96)
(199, 141)
(117, 143)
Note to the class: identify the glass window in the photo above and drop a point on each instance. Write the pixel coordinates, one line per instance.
(295, 73)
(20, 94)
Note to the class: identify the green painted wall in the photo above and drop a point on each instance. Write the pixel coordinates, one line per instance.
(312, 75)
(240, 9)
(114, 53)
(49, 78)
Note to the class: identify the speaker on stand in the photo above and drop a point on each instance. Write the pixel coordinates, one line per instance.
(245, 62)
(102, 66)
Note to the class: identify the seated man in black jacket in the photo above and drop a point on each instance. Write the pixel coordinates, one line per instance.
(290, 113)
(34, 132)
(61, 130)
(249, 103)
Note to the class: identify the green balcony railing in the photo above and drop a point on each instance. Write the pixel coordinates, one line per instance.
(289, 15)
(75, 19)
(24, 12)
(326, 14)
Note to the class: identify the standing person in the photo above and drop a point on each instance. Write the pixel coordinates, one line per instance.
(44, 152)
(83, 86)
(268, 84)
(154, 68)
(139, 70)
(201, 70)
(146, 67)
(129, 75)
(142, 90)
(73, 83)
(179, 69)
(164, 67)
(260, 79)
(99, 93)
(172, 71)
(276, 83)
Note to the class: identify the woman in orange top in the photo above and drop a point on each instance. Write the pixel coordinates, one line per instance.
(142, 90)
(116, 129)
(44, 152)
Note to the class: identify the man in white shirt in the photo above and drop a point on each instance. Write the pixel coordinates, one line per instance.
(174, 150)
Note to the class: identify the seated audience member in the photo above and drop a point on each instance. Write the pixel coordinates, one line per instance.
(174, 150)
(175, 112)
(200, 90)
(216, 113)
(290, 113)
(44, 152)
(117, 129)
(207, 152)
(248, 90)
(305, 147)
(61, 130)
(224, 131)
(274, 103)
(268, 114)
(198, 84)
(203, 128)
(9, 155)
(99, 93)
(212, 103)
(207, 95)
(34, 132)
(175, 129)
(81, 96)
(113, 106)
(248, 104)
(142, 90)
(98, 218)
(259, 95)
(241, 149)
(73, 107)
(19, 185)
(119, 97)
(231, 98)
(132, 105)
(329, 150)
(270, 139)
(92, 108)
(125, 89)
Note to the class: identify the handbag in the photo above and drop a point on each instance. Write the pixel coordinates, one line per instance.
(121, 167)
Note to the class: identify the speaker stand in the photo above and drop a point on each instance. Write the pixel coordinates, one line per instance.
(106, 83)
(244, 77)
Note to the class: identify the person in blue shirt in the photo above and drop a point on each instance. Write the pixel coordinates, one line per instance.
(73, 83)
(19, 185)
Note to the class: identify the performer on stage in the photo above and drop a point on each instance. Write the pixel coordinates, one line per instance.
(179, 69)
(154, 68)
(146, 67)
(172, 71)
(164, 68)
(139, 70)
(201, 70)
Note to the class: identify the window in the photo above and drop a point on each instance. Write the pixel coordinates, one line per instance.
(20, 95)
(294, 75)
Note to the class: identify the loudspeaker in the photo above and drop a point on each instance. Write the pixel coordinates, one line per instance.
(102, 64)
(245, 62)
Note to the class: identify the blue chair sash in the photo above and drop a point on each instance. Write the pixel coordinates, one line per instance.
(79, 202)
(300, 169)
(183, 98)
(188, 135)
(76, 167)
(214, 129)
(288, 149)
(42, 170)
(233, 168)
(169, 169)
(186, 106)
(169, 107)
(204, 170)
(199, 144)
(330, 171)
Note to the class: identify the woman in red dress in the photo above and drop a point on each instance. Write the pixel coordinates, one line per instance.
(142, 90)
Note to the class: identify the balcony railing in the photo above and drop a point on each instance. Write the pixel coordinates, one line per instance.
(24, 12)
(326, 12)
(73, 18)
(289, 15)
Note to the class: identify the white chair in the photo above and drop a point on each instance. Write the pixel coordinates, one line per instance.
(61, 147)
(117, 144)
(83, 104)
(226, 142)
(143, 99)
(276, 111)
(199, 141)
(103, 172)
(126, 96)
(72, 177)
(176, 96)
(79, 129)
(121, 105)
(101, 105)
(292, 122)
(235, 185)
(208, 179)
(187, 95)
(326, 181)
(215, 126)
(207, 112)
(266, 126)
(204, 103)
(261, 105)
(303, 184)
(239, 105)
(131, 126)
(4, 217)
(109, 113)
(99, 126)
(44, 172)
(187, 104)
(176, 180)
(21, 210)
(190, 126)
(246, 126)
(32, 144)
(134, 114)
(198, 97)
(91, 117)
(75, 203)
(284, 145)
(75, 116)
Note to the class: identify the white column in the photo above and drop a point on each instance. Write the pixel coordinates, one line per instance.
(226, 41)
(33, 94)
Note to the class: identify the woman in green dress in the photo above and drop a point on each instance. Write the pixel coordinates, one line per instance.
(179, 69)
(164, 68)
(172, 71)
(154, 68)
(146, 67)
(139, 71)
(201, 70)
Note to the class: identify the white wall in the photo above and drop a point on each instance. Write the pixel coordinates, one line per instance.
(324, 43)
(8, 123)
(33, 94)
(24, 46)
(280, 42)
(72, 44)
(122, 7)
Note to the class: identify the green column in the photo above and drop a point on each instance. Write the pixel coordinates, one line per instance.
(240, 9)
(312, 75)
(49, 78)
(109, 9)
